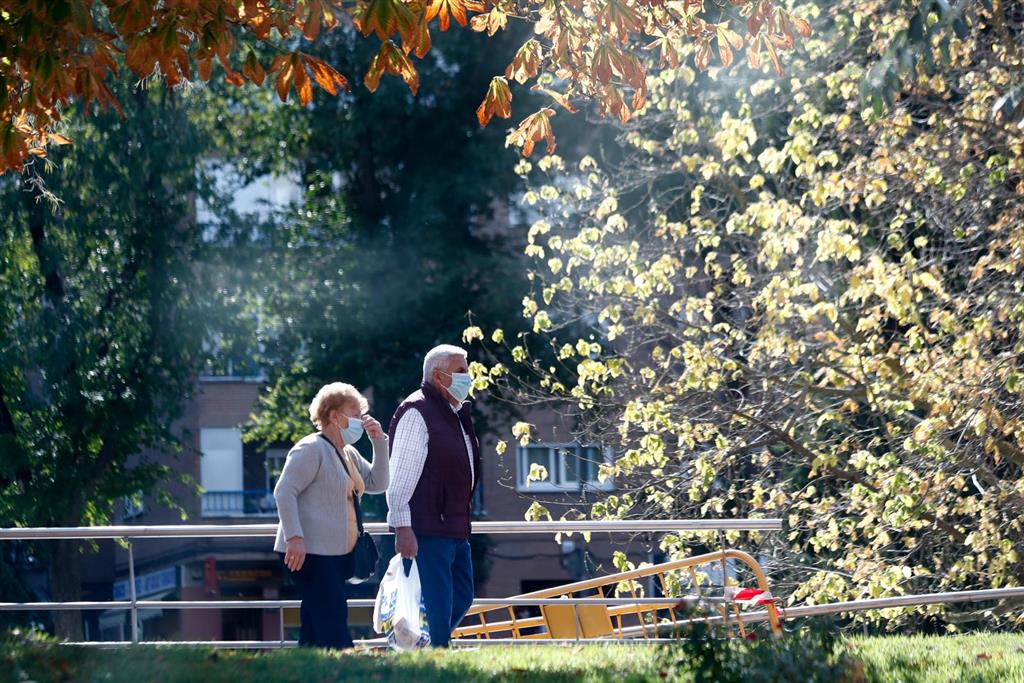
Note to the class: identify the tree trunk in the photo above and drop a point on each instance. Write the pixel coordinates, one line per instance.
(66, 586)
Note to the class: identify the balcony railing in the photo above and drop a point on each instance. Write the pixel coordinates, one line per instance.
(252, 503)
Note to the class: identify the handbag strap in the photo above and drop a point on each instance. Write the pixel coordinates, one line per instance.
(355, 497)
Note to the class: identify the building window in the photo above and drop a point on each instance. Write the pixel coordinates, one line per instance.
(133, 505)
(569, 466)
(220, 471)
(275, 463)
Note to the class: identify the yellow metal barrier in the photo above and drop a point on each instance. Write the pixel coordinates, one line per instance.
(621, 620)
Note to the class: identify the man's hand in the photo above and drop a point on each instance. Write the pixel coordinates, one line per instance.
(405, 542)
(295, 555)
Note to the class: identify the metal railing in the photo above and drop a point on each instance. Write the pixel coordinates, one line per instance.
(127, 533)
(133, 604)
(984, 595)
(381, 529)
(850, 606)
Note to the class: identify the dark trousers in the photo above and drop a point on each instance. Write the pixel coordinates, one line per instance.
(446, 580)
(324, 594)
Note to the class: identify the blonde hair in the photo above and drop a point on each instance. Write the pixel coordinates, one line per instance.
(333, 396)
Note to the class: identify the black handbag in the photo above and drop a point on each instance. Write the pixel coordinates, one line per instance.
(365, 554)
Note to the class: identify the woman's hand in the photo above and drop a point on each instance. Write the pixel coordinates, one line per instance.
(295, 555)
(372, 427)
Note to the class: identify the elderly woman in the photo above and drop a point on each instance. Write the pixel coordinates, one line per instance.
(322, 478)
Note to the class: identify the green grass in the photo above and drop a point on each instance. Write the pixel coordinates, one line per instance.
(930, 659)
(984, 657)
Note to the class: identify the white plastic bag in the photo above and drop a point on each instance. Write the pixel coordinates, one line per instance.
(399, 610)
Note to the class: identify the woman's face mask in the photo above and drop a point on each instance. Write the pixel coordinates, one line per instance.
(353, 432)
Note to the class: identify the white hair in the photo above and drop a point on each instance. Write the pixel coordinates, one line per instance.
(437, 356)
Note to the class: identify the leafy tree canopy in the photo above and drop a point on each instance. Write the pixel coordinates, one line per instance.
(801, 306)
(99, 318)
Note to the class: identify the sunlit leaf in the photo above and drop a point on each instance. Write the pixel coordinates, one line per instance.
(497, 102)
(391, 60)
(533, 129)
(325, 75)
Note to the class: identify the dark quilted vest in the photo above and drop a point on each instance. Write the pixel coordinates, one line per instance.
(443, 498)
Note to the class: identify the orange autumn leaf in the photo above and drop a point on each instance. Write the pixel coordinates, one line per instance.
(393, 61)
(533, 129)
(234, 78)
(629, 68)
(252, 69)
(205, 67)
(558, 97)
(258, 18)
(132, 16)
(526, 64)
(141, 57)
(588, 45)
(601, 67)
(420, 41)
(303, 86)
(754, 53)
(802, 26)
(492, 22)
(385, 18)
(497, 102)
(325, 75)
(612, 104)
(454, 8)
(774, 56)
(666, 43)
(284, 82)
(279, 62)
(314, 16)
(728, 41)
(703, 57)
(621, 19)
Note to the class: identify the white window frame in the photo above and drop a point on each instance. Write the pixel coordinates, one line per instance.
(556, 481)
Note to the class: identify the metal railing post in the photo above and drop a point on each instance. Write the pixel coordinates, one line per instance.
(280, 614)
(725, 583)
(131, 592)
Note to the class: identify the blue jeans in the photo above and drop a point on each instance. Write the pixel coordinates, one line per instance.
(446, 579)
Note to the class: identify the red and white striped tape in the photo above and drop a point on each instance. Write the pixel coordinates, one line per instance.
(748, 596)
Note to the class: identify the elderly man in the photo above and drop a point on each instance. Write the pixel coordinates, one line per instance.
(435, 466)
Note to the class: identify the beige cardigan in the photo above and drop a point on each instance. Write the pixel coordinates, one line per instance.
(311, 493)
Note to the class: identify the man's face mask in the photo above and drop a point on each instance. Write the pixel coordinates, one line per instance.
(461, 383)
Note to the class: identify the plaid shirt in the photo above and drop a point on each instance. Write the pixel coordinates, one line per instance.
(408, 455)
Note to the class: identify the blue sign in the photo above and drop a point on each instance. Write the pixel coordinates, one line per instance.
(148, 584)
